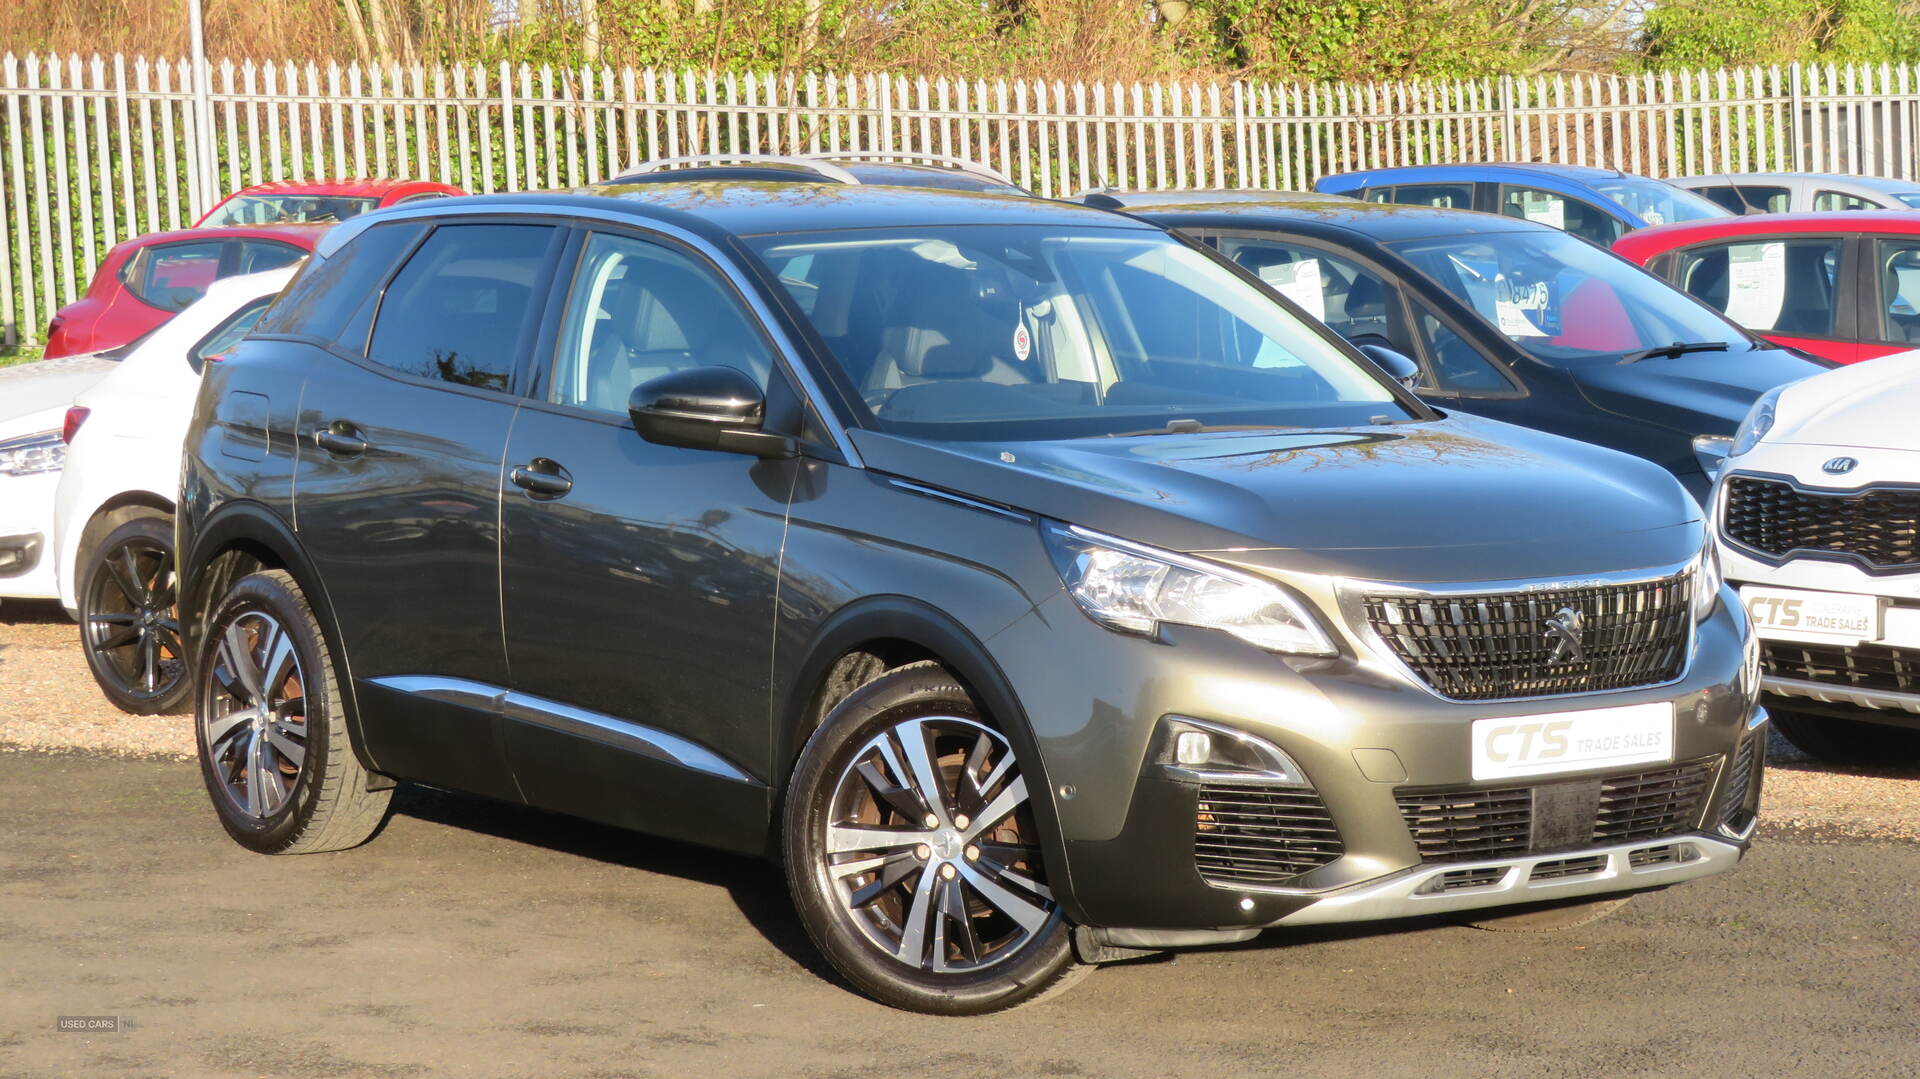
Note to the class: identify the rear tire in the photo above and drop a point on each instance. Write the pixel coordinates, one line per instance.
(273, 741)
(1847, 741)
(917, 904)
(129, 631)
(1544, 917)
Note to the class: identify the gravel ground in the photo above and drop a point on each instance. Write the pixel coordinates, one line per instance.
(49, 701)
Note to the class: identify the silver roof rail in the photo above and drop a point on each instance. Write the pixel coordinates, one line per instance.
(825, 169)
(910, 157)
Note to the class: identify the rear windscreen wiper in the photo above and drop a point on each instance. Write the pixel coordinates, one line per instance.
(1678, 348)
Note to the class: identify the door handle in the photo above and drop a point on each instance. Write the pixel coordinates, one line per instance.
(340, 437)
(542, 478)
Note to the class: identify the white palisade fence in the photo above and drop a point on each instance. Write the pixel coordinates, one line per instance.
(94, 150)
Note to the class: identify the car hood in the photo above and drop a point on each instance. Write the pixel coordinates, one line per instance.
(1699, 393)
(1456, 499)
(30, 392)
(1867, 405)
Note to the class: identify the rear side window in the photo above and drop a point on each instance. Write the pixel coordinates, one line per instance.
(320, 300)
(1834, 200)
(1749, 198)
(1444, 196)
(259, 256)
(172, 276)
(459, 308)
(1583, 219)
(1354, 302)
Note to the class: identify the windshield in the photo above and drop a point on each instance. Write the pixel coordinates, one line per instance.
(287, 210)
(1023, 332)
(1657, 203)
(1562, 300)
(1910, 198)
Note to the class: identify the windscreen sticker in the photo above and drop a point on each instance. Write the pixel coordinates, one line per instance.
(1022, 343)
(1300, 282)
(1756, 283)
(1519, 309)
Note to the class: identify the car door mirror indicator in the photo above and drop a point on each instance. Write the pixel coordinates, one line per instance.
(707, 408)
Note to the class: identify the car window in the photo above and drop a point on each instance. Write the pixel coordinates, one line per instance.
(1582, 219)
(1657, 203)
(1445, 196)
(1835, 200)
(1899, 263)
(458, 309)
(1015, 332)
(228, 334)
(639, 310)
(1354, 302)
(1561, 300)
(287, 210)
(1456, 366)
(326, 292)
(172, 276)
(1778, 286)
(257, 256)
(1380, 194)
(1749, 198)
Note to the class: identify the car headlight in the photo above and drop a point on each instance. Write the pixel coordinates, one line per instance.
(1758, 422)
(1706, 581)
(1131, 588)
(32, 454)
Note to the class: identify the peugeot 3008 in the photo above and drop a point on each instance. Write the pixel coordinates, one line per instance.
(1031, 582)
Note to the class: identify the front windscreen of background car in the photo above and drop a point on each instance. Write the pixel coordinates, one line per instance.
(1026, 332)
(288, 210)
(1562, 300)
(1910, 198)
(1659, 204)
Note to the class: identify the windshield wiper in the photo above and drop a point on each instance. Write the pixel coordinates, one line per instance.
(1678, 348)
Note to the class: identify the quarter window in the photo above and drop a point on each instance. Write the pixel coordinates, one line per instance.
(1779, 286)
(640, 310)
(173, 276)
(1899, 263)
(459, 309)
(1582, 219)
(1458, 367)
(1834, 200)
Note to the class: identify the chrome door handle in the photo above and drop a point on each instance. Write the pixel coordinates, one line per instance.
(541, 478)
(340, 437)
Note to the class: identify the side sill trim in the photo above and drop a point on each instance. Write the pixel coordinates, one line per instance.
(582, 723)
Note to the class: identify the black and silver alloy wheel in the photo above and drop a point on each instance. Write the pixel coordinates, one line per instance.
(929, 847)
(274, 748)
(913, 854)
(254, 721)
(127, 625)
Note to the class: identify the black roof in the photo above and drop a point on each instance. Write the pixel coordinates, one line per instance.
(718, 210)
(1383, 222)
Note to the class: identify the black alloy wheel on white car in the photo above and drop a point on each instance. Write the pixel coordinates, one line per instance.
(128, 629)
(913, 856)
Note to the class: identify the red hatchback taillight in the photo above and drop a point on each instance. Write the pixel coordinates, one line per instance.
(75, 417)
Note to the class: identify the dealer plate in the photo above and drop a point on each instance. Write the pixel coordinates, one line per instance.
(1542, 745)
(1791, 614)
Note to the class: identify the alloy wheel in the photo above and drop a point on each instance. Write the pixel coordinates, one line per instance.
(130, 626)
(931, 848)
(254, 720)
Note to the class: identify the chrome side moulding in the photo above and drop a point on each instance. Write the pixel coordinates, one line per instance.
(580, 722)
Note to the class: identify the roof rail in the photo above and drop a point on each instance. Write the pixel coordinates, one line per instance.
(916, 157)
(825, 169)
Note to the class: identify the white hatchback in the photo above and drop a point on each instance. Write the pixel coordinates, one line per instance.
(112, 528)
(1818, 517)
(33, 402)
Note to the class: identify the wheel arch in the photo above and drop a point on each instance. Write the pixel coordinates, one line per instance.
(114, 511)
(896, 631)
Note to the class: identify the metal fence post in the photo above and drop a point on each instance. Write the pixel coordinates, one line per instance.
(200, 198)
(1506, 117)
(1795, 118)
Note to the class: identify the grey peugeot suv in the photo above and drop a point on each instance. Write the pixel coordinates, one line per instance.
(1037, 586)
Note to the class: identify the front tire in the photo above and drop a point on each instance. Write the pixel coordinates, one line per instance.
(913, 856)
(128, 629)
(1847, 741)
(273, 740)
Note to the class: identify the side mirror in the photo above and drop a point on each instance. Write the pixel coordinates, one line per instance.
(706, 408)
(1711, 451)
(1396, 364)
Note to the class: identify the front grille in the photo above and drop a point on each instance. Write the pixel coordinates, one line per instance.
(1881, 525)
(1651, 804)
(1733, 811)
(1261, 835)
(1667, 854)
(1562, 868)
(1459, 879)
(1471, 825)
(1861, 666)
(1500, 645)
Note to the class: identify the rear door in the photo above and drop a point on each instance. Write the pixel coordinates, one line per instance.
(398, 493)
(1887, 295)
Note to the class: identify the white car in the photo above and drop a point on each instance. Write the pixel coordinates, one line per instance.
(1817, 511)
(112, 519)
(33, 405)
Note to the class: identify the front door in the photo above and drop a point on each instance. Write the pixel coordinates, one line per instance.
(640, 580)
(398, 495)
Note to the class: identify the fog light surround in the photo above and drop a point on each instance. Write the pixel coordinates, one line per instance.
(1198, 750)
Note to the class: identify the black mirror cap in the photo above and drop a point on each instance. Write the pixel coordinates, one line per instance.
(706, 408)
(1397, 365)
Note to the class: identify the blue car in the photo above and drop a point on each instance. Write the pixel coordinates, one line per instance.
(1597, 205)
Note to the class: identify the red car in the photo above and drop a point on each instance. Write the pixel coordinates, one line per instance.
(1840, 286)
(145, 281)
(318, 202)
